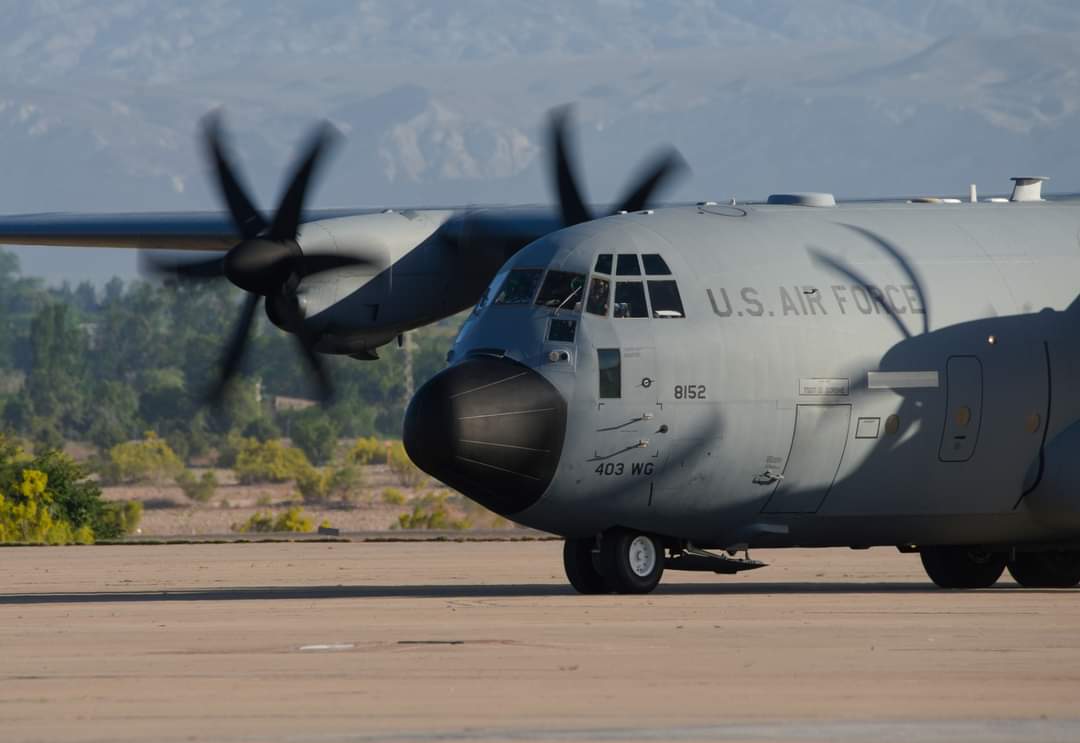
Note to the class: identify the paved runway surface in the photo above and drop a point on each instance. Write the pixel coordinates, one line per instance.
(443, 641)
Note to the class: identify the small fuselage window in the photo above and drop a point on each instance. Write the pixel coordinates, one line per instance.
(665, 299)
(603, 263)
(562, 331)
(599, 297)
(520, 286)
(562, 290)
(630, 299)
(610, 367)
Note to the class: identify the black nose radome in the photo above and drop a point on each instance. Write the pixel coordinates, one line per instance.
(491, 428)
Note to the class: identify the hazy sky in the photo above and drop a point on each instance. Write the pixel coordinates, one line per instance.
(442, 102)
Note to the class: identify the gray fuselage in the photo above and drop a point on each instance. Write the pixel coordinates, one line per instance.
(788, 406)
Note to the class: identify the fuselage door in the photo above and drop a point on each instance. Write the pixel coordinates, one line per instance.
(817, 447)
(963, 408)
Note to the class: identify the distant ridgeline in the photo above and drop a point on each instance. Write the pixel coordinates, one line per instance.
(103, 367)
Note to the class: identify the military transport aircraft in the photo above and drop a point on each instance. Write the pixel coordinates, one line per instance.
(669, 387)
(658, 384)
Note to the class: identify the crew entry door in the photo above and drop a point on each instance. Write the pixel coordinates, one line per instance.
(963, 405)
(817, 447)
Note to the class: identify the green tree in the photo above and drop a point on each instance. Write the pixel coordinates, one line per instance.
(69, 495)
(316, 434)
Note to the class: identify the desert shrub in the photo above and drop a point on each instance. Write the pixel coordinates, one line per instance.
(316, 434)
(368, 450)
(262, 428)
(408, 474)
(26, 515)
(140, 461)
(482, 517)
(200, 489)
(432, 515)
(120, 518)
(269, 461)
(74, 497)
(393, 496)
(264, 501)
(292, 520)
(76, 511)
(317, 485)
(228, 448)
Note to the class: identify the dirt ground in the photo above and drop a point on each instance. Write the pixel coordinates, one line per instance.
(451, 641)
(168, 512)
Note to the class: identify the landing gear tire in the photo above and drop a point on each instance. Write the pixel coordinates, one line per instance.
(1055, 569)
(630, 561)
(577, 558)
(963, 567)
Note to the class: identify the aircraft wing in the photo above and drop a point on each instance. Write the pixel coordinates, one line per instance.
(211, 231)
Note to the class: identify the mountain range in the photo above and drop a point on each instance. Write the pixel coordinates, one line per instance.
(444, 103)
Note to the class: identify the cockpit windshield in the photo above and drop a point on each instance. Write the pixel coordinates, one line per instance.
(562, 290)
(519, 287)
(633, 297)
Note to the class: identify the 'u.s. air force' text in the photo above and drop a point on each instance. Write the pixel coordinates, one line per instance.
(801, 301)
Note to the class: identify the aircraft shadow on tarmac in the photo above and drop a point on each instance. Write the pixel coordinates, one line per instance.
(280, 593)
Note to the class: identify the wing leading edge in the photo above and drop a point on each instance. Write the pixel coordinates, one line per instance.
(211, 231)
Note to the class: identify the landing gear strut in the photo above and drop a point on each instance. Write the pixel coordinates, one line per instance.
(963, 567)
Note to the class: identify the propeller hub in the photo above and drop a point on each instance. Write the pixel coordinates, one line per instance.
(261, 266)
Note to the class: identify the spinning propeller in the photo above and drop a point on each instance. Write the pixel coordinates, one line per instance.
(267, 262)
(665, 165)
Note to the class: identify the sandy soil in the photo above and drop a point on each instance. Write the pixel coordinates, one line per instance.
(436, 641)
(168, 512)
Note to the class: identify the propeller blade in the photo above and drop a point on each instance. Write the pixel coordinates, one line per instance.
(234, 352)
(245, 216)
(571, 205)
(287, 217)
(905, 266)
(665, 166)
(312, 263)
(183, 270)
(305, 342)
(871, 291)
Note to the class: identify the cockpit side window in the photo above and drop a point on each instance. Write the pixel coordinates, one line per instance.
(610, 366)
(665, 299)
(603, 263)
(562, 289)
(630, 299)
(628, 265)
(520, 286)
(599, 297)
(655, 265)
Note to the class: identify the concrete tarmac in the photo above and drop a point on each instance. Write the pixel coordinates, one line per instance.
(484, 641)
